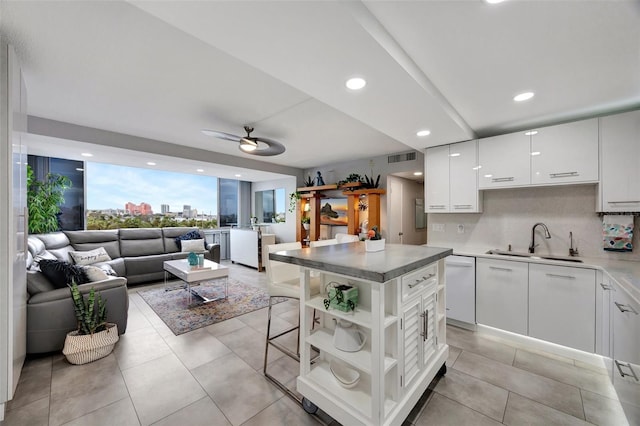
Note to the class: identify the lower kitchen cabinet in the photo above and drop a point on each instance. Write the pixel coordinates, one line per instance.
(501, 294)
(561, 305)
(419, 328)
(604, 342)
(625, 314)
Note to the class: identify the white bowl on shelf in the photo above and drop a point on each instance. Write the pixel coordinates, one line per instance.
(345, 376)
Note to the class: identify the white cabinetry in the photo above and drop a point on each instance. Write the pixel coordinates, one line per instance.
(451, 178)
(561, 305)
(620, 156)
(504, 160)
(566, 153)
(604, 288)
(501, 294)
(247, 247)
(626, 352)
(437, 179)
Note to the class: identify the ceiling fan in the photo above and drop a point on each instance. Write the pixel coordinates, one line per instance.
(250, 144)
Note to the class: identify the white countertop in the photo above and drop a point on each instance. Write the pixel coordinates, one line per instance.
(625, 273)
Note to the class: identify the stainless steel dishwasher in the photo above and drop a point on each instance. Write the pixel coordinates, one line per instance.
(461, 289)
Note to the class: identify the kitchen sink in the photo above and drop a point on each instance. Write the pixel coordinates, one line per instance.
(534, 256)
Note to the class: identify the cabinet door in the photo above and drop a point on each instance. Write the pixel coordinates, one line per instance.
(565, 153)
(428, 317)
(412, 340)
(501, 294)
(436, 182)
(604, 287)
(505, 161)
(561, 305)
(620, 162)
(463, 177)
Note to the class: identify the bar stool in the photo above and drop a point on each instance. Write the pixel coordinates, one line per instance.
(284, 281)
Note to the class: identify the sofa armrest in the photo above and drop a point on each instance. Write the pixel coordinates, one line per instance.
(213, 252)
(64, 293)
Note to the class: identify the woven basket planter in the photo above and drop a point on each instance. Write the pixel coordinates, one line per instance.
(85, 348)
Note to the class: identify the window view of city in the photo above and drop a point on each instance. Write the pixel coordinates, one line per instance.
(129, 197)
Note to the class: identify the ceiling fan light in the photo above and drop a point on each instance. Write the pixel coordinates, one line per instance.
(248, 145)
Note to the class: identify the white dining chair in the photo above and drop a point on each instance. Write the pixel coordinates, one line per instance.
(321, 243)
(346, 238)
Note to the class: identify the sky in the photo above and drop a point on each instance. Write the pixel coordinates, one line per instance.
(111, 187)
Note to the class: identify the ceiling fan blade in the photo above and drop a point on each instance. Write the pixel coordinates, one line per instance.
(222, 135)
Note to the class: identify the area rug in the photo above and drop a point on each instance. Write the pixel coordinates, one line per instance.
(173, 306)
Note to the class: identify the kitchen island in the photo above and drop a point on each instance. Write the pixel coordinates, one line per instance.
(400, 314)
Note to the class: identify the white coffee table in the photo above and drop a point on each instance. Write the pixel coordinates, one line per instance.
(194, 275)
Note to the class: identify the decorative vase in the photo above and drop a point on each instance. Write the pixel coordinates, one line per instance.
(192, 258)
(305, 226)
(85, 348)
(374, 245)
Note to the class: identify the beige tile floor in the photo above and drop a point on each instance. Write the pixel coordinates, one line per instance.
(213, 376)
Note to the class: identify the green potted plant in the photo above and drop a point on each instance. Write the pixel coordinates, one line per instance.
(306, 220)
(293, 201)
(44, 199)
(95, 337)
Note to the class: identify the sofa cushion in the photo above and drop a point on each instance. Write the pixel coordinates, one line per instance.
(141, 242)
(61, 273)
(37, 283)
(193, 235)
(192, 245)
(90, 240)
(57, 244)
(170, 234)
(89, 257)
(145, 264)
(35, 245)
(94, 273)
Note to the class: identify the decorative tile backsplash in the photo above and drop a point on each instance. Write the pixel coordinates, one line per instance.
(509, 215)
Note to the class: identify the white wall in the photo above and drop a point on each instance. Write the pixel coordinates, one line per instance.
(285, 232)
(401, 210)
(509, 215)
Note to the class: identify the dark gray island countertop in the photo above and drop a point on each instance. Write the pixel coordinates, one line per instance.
(352, 260)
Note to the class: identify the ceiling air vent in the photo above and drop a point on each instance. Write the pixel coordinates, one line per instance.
(398, 158)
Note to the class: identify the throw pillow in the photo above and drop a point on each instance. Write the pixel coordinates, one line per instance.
(94, 273)
(192, 235)
(89, 257)
(61, 273)
(107, 269)
(193, 245)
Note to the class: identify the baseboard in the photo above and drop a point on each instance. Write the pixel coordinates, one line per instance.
(461, 324)
(526, 342)
(2, 411)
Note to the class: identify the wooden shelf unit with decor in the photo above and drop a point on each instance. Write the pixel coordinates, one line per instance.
(309, 205)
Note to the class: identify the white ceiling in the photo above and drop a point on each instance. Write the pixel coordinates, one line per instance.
(166, 69)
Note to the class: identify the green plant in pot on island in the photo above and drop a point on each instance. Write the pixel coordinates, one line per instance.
(95, 337)
(44, 199)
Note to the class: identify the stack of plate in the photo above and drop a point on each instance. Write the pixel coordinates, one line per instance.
(347, 377)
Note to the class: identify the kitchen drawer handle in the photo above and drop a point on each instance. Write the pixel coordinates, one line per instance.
(563, 174)
(422, 280)
(622, 373)
(462, 206)
(503, 179)
(464, 265)
(623, 202)
(500, 269)
(436, 206)
(625, 308)
(606, 287)
(569, 277)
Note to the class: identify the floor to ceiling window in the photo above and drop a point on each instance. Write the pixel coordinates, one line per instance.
(228, 202)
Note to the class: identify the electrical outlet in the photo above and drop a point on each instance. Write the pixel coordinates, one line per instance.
(437, 227)
(460, 229)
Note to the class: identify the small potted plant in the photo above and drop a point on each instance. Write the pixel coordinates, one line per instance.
(95, 337)
(374, 241)
(306, 221)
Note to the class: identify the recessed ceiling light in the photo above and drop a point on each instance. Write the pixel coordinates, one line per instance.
(531, 133)
(488, 176)
(423, 133)
(86, 154)
(535, 153)
(150, 163)
(476, 168)
(238, 175)
(494, 1)
(454, 154)
(356, 83)
(523, 96)
(199, 170)
(417, 173)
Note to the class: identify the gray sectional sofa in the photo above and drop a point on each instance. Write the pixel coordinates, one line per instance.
(137, 256)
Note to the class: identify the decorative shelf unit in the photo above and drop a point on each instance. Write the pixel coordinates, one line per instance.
(311, 196)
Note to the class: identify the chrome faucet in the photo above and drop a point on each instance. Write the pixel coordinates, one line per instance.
(547, 235)
(572, 251)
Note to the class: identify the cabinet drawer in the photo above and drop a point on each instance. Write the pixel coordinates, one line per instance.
(416, 281)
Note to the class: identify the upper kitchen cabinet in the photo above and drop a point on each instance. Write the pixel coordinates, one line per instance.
(620, 160)
(451, 179)
(504, 161)
(566, 153)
